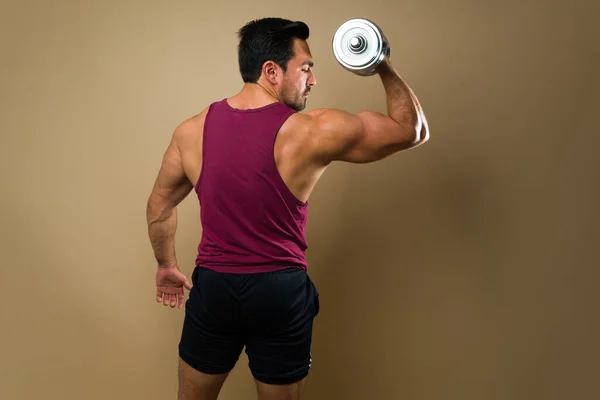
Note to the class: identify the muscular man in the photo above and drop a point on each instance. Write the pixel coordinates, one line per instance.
(253, 160)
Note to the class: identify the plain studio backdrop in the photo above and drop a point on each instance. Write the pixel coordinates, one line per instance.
(465, 269)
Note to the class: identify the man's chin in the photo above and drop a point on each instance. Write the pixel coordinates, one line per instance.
(299, 106)
(303, 101)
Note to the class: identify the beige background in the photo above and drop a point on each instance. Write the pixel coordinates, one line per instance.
(465, 269)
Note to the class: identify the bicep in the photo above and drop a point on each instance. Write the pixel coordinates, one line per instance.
(361, 138)
(171, 185)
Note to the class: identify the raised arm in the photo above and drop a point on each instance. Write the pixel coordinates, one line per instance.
(370, 136)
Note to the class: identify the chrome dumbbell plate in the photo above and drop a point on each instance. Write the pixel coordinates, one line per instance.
(359, 45)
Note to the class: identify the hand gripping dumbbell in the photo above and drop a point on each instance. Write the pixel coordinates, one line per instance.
(359, 45)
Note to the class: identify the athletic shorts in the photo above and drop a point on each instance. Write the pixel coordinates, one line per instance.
(270, 313)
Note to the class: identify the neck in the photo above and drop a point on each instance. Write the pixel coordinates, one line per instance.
(254, 95)
(261, 90)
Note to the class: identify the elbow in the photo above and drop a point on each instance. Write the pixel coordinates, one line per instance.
(424, 135)
(421, 132)
(156, 211)
(154, 217)
(152, 214)
(417, 136)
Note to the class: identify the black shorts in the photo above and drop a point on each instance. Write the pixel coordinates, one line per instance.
(270, 313)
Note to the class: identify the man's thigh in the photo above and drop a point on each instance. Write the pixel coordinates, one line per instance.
(279, 309)
(196, 385)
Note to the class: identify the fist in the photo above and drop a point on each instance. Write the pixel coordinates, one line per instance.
(170, 282)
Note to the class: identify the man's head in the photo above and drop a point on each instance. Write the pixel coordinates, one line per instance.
(273, 52)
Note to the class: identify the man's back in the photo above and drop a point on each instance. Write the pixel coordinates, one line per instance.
(250, 168)
(292, 150)
(251, 221)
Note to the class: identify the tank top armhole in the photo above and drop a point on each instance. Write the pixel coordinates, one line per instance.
(204, 130)
(284, 187)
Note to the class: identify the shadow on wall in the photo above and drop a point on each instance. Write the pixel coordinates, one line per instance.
(405, 310)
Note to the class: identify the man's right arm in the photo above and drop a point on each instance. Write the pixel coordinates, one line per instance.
(370, 136)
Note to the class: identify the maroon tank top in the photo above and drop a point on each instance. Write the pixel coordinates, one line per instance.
(251, 221)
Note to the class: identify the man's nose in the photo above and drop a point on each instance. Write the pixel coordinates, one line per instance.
(312, 80)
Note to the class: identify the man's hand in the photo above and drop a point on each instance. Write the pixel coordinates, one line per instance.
(170, 282)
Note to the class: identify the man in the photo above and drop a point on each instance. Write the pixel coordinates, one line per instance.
(253, 160)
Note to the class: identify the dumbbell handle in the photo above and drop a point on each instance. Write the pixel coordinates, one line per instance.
(358, 44)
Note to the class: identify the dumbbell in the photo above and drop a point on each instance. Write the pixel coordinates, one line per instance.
(359, 45)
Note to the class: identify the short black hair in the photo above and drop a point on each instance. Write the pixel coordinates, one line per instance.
(267, 39)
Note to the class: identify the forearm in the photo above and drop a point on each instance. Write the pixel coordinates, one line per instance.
(402, 104)
(161, 230)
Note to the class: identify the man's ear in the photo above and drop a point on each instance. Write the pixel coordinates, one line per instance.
(271, 72)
